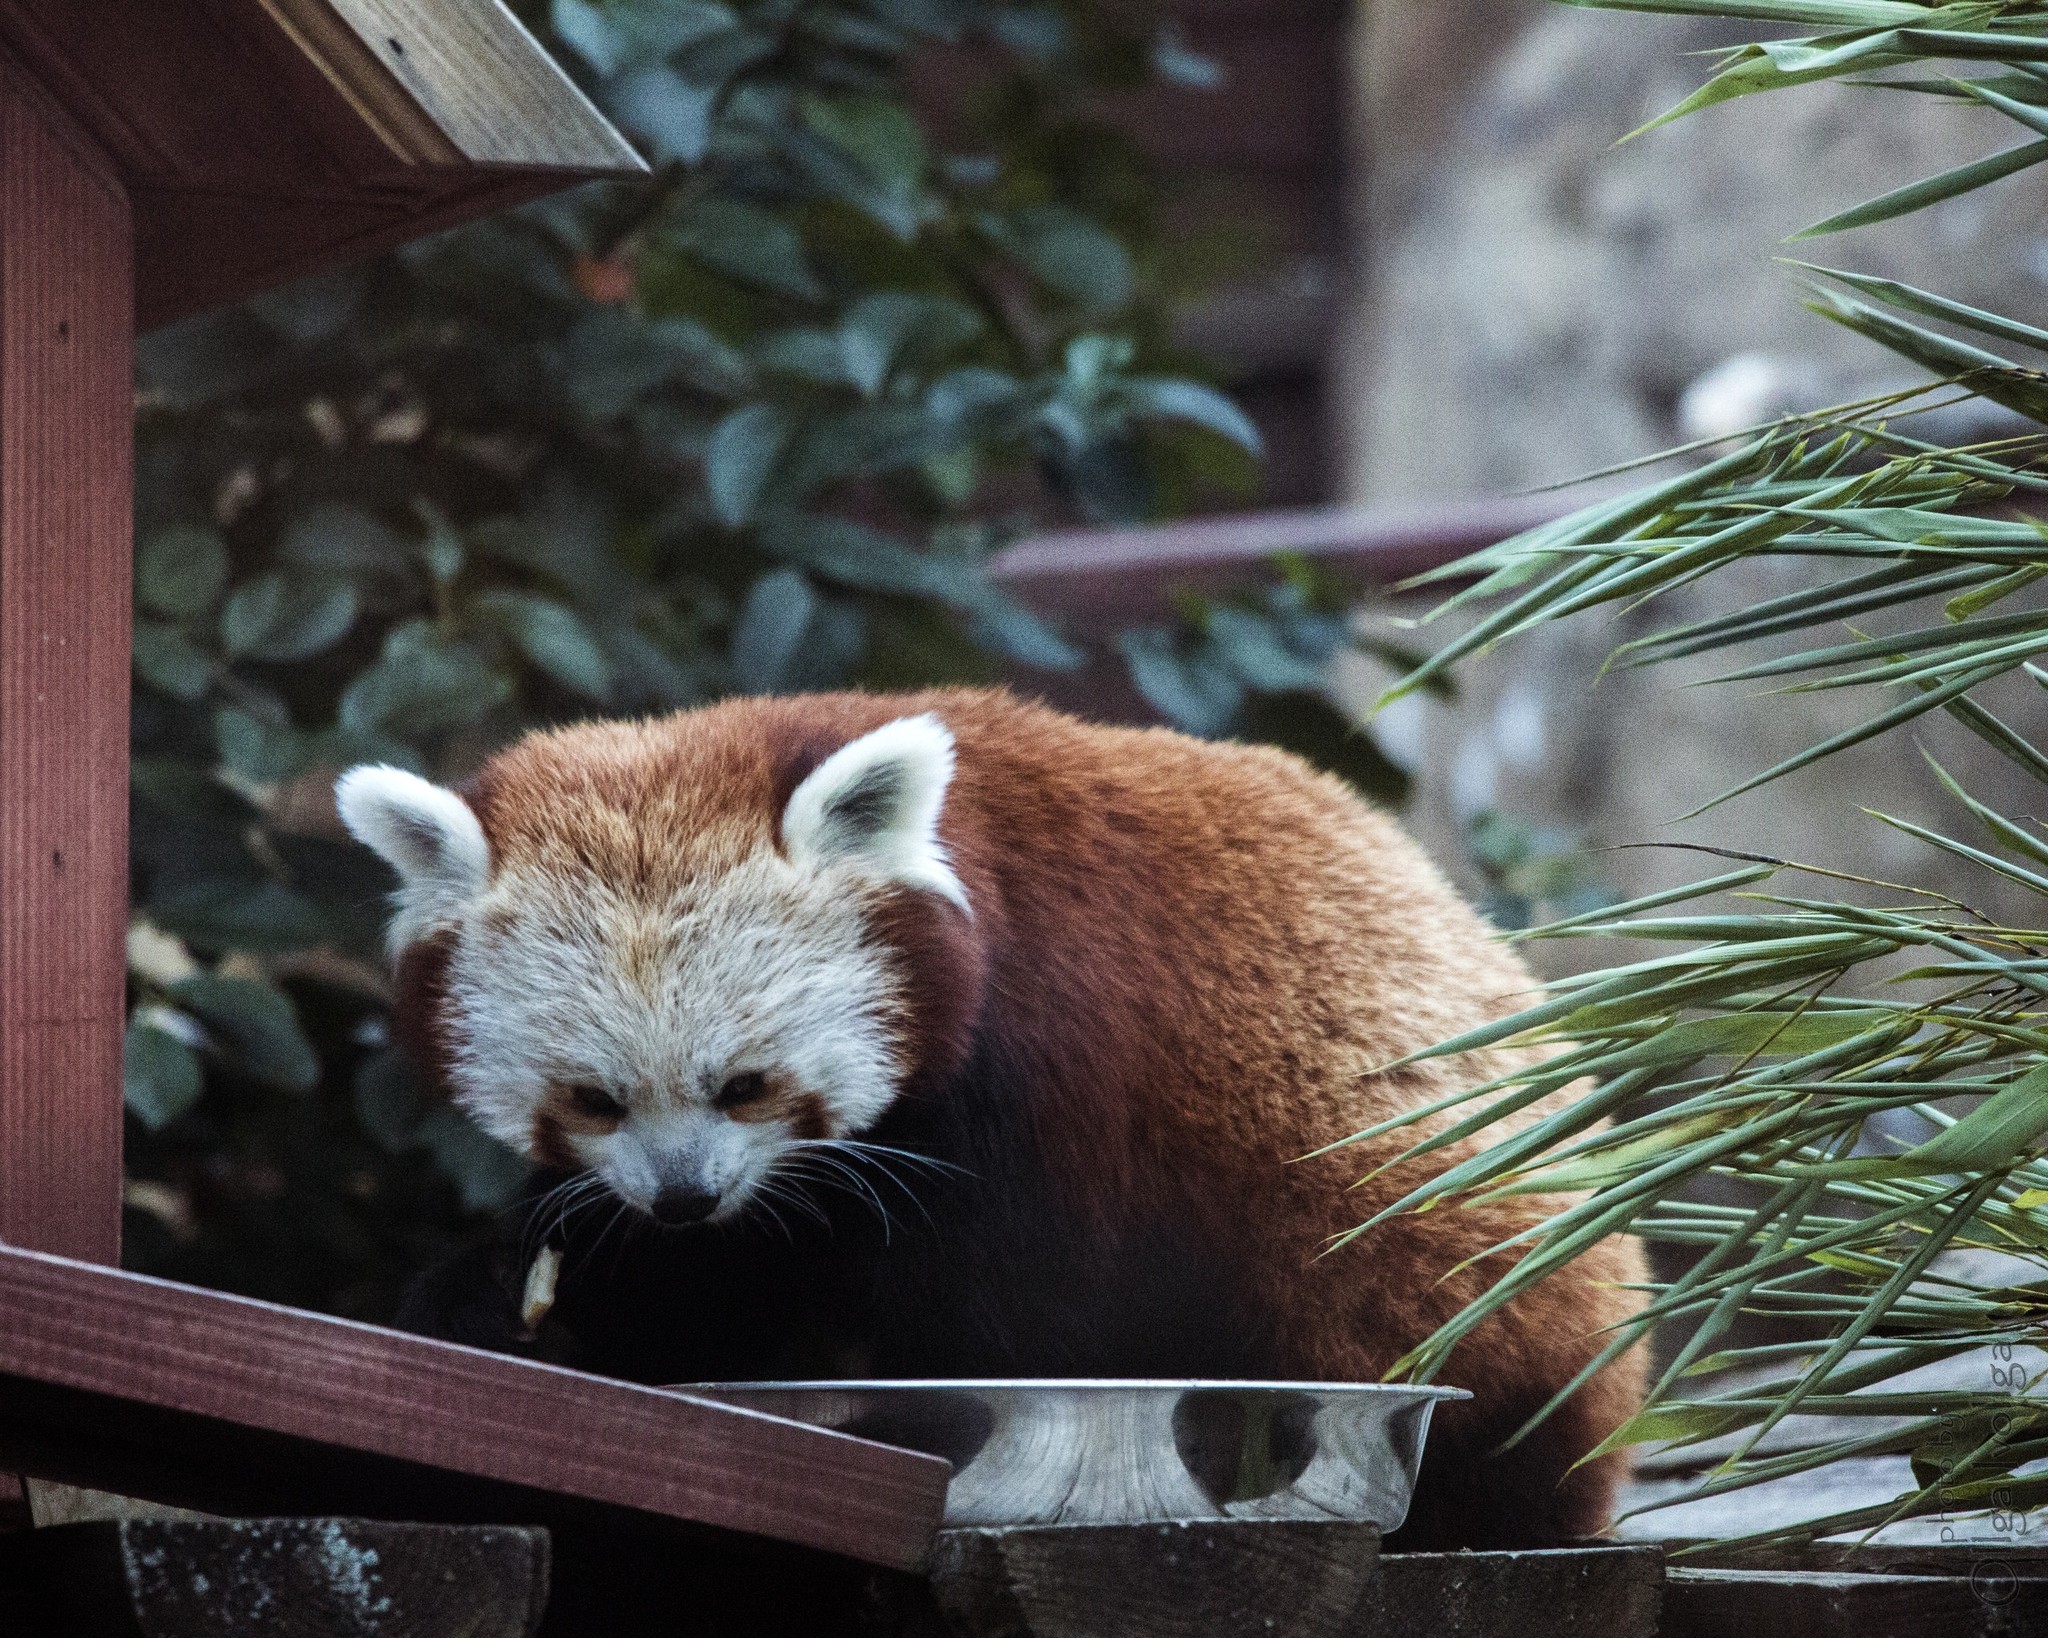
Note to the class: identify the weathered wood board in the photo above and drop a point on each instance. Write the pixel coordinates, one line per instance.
(264, 139)
(1584, 1592)
(1821, 1604)
(1244, 1579)
(158, 1390)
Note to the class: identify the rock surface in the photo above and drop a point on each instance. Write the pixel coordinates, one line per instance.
(1541, 298)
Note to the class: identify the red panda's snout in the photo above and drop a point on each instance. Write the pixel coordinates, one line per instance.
(703, 1018)
(684, 1161)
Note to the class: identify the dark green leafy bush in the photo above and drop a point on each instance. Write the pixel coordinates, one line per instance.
(1254, 666)
(754, 422)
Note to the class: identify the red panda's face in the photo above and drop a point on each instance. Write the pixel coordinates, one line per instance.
(698, 1038)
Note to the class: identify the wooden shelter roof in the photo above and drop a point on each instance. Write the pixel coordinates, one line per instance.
(261, 139)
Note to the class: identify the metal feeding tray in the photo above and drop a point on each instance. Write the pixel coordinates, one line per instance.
(1135, 1452)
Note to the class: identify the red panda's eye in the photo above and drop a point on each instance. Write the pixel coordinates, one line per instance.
(597, 1103)
(748, 1087)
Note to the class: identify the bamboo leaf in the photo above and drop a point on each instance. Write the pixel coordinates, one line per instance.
(1833, 14)
(1989, 1136)
(1905, 711)
(1919, 195)
(1674, 1419)
(1914, 300)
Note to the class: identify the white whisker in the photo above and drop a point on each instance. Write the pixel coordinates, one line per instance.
(838, 1174)
(765, 1201)
(855, 1146)
(786, 1190)
(841, 1154)
(552, 1211)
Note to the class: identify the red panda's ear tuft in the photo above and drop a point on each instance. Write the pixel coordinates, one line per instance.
(875, 805)
(427, 834)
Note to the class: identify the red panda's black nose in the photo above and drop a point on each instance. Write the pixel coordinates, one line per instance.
(676, 1206)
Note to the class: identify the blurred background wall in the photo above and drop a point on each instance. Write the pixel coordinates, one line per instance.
(1531, 302)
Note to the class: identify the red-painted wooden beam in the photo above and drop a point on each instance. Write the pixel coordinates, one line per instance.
(66, 390)
(192, 1397)
(1101, 579)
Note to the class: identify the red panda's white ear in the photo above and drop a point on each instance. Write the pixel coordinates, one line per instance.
(875, 804)
(425, 833)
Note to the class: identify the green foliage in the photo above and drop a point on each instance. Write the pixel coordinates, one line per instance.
(1253, 667)
(1877, 1116)
(1531, 871)
(752, 422)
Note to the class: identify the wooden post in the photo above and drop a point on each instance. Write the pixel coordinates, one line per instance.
(66, 394)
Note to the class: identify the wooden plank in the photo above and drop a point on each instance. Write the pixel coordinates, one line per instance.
(284, 91)
(1572, 1592)
(200, 1399)
(1244, 1579)
(66, 338)
(1748, 1604)
(365, 77)
(202, 100)
(51, 1504)
(2014, 1556)
(345, 126)
(1105, 578)
(197, 249)
(471, 69)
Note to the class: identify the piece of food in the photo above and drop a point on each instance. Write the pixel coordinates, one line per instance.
(539, 1295)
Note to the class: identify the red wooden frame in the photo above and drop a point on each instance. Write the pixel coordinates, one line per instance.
(66, 446)
(264, 139)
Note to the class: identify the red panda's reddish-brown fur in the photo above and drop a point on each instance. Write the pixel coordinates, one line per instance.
(1184, 964)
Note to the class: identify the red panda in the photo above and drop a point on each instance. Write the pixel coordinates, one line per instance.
(1063, 1006)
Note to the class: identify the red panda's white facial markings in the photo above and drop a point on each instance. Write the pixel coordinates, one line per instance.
(688, 1031)
(560, 981)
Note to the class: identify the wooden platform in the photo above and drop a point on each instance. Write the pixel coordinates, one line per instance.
(350, 1578)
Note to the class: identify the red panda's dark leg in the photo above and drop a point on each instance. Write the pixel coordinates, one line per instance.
(1473, 1494)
